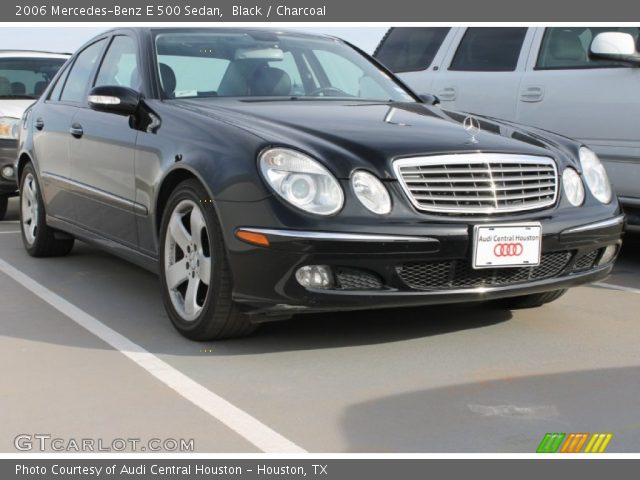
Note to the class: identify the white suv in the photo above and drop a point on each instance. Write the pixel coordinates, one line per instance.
(24, 75)
(545, 77)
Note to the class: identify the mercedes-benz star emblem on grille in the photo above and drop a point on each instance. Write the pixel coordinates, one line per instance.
(472, 127)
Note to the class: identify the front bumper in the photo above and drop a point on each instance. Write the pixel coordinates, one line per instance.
(431, 267)
(8, 153)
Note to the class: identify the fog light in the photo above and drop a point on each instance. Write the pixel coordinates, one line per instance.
(7, 172)
(315, 276)
(608, 255)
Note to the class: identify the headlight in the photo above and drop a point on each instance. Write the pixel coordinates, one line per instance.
(595, 175)
(573, 188)
(9, 128)
(371, 192)
(301, 181)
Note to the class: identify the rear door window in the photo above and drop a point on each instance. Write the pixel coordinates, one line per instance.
(489, 49)
(407, 49)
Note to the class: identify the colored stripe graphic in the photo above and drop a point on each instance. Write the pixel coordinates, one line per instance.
(598, 443)
(550, 443)
(573, 442)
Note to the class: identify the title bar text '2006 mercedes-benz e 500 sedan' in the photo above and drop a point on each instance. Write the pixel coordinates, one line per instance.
(265, 174)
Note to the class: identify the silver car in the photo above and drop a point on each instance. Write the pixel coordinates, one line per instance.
(582, 82)
(24, 75)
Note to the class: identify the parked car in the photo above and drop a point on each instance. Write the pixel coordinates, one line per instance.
(264, 173)
(545, 77)
(24, 75)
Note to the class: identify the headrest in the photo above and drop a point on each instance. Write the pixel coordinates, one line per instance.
(566, 45)
(269, 81)
(168, 79)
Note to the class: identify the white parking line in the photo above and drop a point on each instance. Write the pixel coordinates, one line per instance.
(612, 286)
(238, 420)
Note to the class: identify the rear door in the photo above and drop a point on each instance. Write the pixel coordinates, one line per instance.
(594, 101)
(483, 73)
(415, 54)
(52, 121)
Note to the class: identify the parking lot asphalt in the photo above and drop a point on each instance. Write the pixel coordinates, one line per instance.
(438, 379)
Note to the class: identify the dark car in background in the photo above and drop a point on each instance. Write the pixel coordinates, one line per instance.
(264, 174)
(24, 75)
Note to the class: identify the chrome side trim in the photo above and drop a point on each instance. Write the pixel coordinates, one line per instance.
(610, 222)
(337, 236)
(96, 194)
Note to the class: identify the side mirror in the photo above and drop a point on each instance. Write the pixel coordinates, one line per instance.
(114, 99)
(429, 99)
(616, 46)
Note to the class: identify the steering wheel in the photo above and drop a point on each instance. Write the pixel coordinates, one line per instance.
(329, 90)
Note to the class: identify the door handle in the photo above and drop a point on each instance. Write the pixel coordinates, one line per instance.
(532, 94)
(39, 123)
(448, 94)
(76, 130)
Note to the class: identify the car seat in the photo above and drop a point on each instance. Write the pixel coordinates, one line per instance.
(168, 80)
(18, 88)
(40, 87)
(269, 82)
(5, 86)
(565, 49)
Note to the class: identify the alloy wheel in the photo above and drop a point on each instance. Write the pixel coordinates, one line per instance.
(29, 208)
(188, 260)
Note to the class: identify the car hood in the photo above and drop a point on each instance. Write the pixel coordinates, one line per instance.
(351, 135)
(14, 108)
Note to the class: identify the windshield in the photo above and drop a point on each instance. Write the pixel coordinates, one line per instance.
(26, 77)
(266, 64)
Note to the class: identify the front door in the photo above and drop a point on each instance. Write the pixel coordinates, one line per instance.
(102, 152)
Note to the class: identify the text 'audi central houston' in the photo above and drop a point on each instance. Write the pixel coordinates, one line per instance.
(264, 174)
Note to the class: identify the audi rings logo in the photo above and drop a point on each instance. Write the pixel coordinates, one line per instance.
(508, 249)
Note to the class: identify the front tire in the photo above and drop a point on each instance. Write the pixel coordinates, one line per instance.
(4, 201)
(194, 272)
(38, 239)
(531, 301)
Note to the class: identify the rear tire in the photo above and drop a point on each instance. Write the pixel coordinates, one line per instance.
(4, 201)
(194, 272)
(39, 239)
(531, 301)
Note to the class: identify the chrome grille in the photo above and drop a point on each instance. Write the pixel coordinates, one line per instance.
(478, 183)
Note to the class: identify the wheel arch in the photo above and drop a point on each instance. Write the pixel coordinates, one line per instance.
(171, 180)
(23, 160)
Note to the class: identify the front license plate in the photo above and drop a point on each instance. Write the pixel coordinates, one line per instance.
(514, 245)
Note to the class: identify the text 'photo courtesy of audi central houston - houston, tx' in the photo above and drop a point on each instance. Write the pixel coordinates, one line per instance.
(264, 174)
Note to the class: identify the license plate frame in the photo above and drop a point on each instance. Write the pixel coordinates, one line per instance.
(506, 245)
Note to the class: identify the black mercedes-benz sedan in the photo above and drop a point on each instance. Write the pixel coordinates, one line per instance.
(264, 174)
